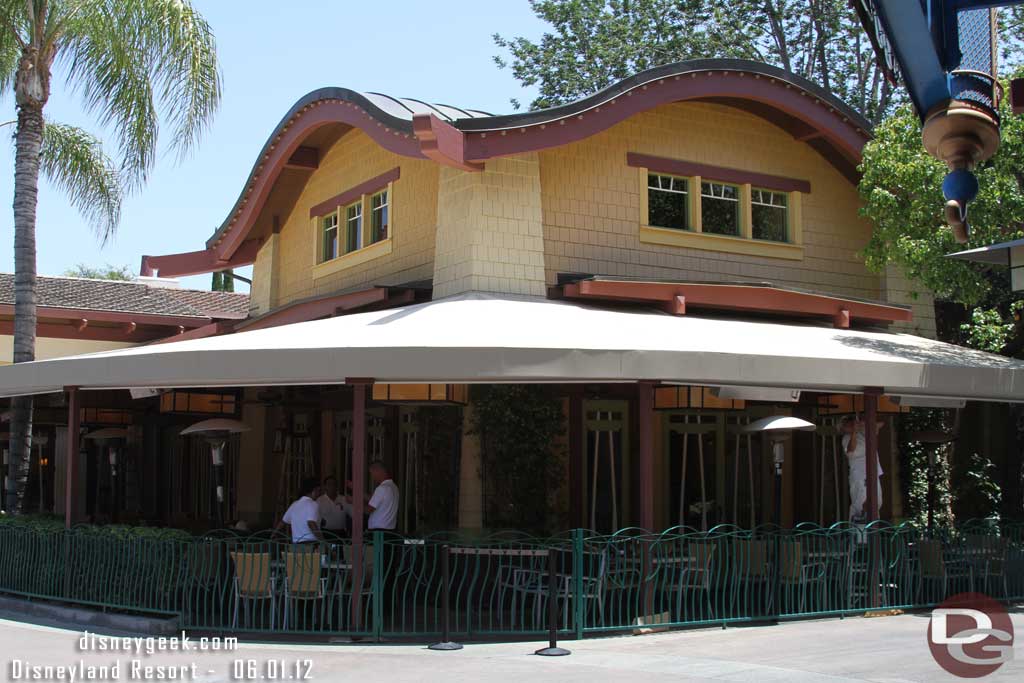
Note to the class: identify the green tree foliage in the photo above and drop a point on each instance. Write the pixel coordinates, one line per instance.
(902, 193)
(107, 272)
(594, 43)
(138, 66)
(518, 426)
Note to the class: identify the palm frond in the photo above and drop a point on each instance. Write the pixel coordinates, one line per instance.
(12, 27)
(74, 161)
(137, 62)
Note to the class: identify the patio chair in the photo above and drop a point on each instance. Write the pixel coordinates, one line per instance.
(695, 576)
(303, 581)
(253, 583)
(206, 562)
(752, 567)
(798, 575)
(988, 560)
(938, 570)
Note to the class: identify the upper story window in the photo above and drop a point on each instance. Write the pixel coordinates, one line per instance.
(329, 236)
(379, 217)
(769, 215)
(668, 201)
(720, 208)
(354, 226)
(700, 206)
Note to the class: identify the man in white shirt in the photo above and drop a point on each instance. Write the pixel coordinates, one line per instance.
(383, 503)
(303, 516)
(856, 457)
(332, 512)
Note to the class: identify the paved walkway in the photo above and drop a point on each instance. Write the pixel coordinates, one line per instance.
(856, 649)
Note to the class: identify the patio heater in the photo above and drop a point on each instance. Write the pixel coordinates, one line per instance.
(216, 431)
(777, 429)
(110, 439)
(932, 440)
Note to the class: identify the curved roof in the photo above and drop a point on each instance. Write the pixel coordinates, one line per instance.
(466, 137)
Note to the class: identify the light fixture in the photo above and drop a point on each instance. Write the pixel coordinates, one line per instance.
(907, 401)
(199, 402)
(105, 416)
(110, 438)
(771, 394)
(421, 394)
(677, 397)
(777, 428)
(217, 430)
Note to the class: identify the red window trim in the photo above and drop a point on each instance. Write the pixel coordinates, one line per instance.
(352, 194)
(719, 173)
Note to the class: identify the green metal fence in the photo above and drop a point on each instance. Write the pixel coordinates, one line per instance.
(501, 585)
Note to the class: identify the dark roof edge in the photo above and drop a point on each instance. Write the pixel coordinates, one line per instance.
(659, 72)
(487, 123)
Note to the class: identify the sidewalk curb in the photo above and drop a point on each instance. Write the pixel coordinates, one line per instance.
(18, 609)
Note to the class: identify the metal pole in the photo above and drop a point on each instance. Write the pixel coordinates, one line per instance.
(358, 504)
(552, 650)
(74, 427)
(446, 617)
(645, 417)
(871, 453)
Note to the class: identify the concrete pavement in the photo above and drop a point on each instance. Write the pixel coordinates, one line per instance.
(880, 649)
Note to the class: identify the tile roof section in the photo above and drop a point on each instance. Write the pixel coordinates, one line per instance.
(130, 297)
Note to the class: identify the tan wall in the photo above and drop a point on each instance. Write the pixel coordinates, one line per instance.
(591, 204)
(355, 158)
(50, 347)
(489, 232)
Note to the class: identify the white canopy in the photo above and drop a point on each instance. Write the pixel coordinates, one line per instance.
(489, 338)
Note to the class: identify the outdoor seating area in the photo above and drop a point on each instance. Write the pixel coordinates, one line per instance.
(501, 584)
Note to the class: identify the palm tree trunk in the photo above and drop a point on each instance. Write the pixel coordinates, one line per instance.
(29, 138)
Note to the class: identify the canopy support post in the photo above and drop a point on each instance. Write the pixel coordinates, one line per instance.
(70, 480)
(871, 448)
(358, 497)
(645, 418)
(577, 471)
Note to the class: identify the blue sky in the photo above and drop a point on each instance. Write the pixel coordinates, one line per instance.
(271, 54)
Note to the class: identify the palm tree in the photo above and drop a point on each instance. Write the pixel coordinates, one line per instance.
(136, 64)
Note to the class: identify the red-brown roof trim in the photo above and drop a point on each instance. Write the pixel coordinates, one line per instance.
(676, 297)
(800, 107)
(352, 194)
(720, 173)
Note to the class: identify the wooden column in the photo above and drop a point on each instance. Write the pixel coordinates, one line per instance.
(71, 479)
(358, 497)
(577, 468)
(871, 453)
(327, 455)
(645, 427)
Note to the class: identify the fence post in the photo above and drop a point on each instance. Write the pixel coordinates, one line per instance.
(446, 615)
(552, 650)
(579, 603)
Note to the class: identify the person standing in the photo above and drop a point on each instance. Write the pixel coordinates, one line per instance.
(303, 516)
(332, 511)
(856, 457)
(382, 506)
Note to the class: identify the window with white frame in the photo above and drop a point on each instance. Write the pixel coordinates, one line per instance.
(353, 226)
(720, 208)
(329, 236)
(379, 217)
(668, 203)
(769, 214)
